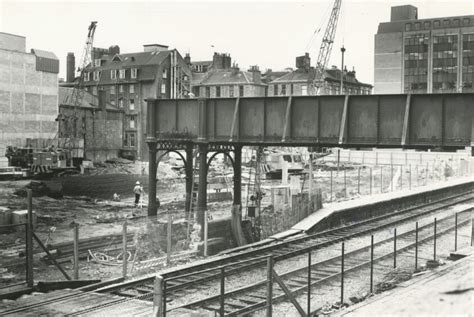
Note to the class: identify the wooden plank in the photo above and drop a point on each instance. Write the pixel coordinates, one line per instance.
(287, 126)
(406, 120)
(343, 120)
(234, 119)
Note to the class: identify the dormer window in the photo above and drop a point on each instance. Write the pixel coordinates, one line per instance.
(134, 73)
(122, 74)
(97, 62)
(96, 76)
(87, 76)
(113, 74)
(165, 73)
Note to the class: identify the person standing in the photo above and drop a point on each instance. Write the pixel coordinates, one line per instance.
(138, 190)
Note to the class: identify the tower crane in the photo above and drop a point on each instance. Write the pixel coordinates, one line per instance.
(317, 79)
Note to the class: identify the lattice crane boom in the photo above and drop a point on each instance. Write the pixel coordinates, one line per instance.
(326, 47)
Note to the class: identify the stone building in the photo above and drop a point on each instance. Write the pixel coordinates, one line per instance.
(223, 80)
(298, 82)
(28, 94)
(424, 55)
(127, 80)
(100, 121)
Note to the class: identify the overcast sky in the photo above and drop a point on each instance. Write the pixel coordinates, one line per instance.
(269, 34)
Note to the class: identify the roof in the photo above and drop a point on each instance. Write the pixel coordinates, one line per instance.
(43, 54)
(302, 75)
(201, 63)
(132, 60)
(89, 101)
(226, 77)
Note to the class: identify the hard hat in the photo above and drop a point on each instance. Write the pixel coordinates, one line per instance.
(137, 183)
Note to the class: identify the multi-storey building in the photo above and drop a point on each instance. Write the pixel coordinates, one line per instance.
(424, 55)
(127, 80)
(297, 82)
(223, 80)
(28, 93)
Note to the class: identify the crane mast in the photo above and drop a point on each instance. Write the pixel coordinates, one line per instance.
(325, 48)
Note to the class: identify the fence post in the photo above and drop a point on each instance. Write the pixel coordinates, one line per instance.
(222, 297)
(124, 250)
(29, 239)
(269, 285)
(416, 246)
(309, 284)
(158, 302)
(434, 241)
(168, 239)
(456, 231)
(342, 273)
(76, 251)
(358, 181)
(370, 183)
(394, 247)
(371, 263)
(331, 186)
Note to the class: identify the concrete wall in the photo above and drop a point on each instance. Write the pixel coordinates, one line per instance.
(28, 98)
(388, 63)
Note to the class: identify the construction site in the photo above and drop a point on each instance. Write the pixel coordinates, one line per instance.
(163, 186)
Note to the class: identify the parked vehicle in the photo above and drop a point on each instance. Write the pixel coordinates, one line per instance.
(273, 164)
(10, 172)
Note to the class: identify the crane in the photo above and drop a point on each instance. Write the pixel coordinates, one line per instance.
(78, 90)
(317, 79)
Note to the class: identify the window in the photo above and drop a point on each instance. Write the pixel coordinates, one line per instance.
(97, 76)
(97, 62)
(163, 88)
(408, 27)
(283, 90)
(231, 91)
(218, 91)
(113, 74)
(291, 89)
(417, 25)
(120, 103)
(94, 90)
(132, 104)
(132, 122)
(87, 76)
(427, 24)
(129, 139)
(241, 91)
(275, 90)
(465, 21)
(121, 88)
(446, 22)
(436, 24)
(122, 73)
(112, 90)
(132, 89)
(165, 73)
(456, 22)
(134, 73)
(208, 92)
(304, 90)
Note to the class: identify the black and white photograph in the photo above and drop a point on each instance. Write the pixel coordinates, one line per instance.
(237, 158)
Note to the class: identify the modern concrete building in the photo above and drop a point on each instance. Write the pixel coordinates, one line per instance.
(225, 81)
(297, 82)
(28, 93)
(424, 55)
(127, 80)
(101, 121)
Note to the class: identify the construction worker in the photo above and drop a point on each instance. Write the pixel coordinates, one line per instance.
(138, 190)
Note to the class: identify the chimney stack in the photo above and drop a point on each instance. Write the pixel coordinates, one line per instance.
(187, 59)
(70, 67)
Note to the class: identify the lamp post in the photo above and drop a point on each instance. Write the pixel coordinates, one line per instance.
(342, 70)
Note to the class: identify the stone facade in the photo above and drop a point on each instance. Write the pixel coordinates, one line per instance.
(28, 96)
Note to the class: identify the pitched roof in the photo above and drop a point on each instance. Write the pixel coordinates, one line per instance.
(302, 75)
(43, 54)
(130, 60)
(89, 101)
(226, 77)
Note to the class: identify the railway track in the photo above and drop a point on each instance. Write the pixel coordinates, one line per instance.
(180, 283)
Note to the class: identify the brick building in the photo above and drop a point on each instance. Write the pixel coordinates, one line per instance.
(297, 82)
(225, 80)
(127, 80)
(28, 93)
(424, 55)
(101, 122)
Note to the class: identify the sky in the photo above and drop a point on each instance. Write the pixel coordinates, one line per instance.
(269, 34)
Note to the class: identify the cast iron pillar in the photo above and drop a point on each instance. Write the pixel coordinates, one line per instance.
(238, 175)
(152, 165)
(189, 177)
(202, 189)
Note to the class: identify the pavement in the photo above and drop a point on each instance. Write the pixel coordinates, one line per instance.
(445, 291)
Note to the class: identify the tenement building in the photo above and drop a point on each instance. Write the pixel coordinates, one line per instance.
(128, 80)
(224, 80)
(298, 82)
(424, 55)
(28, 94)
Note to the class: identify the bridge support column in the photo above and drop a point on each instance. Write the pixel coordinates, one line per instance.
(152, 208)
(189, 177)
(238, 175)
(202, 189)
